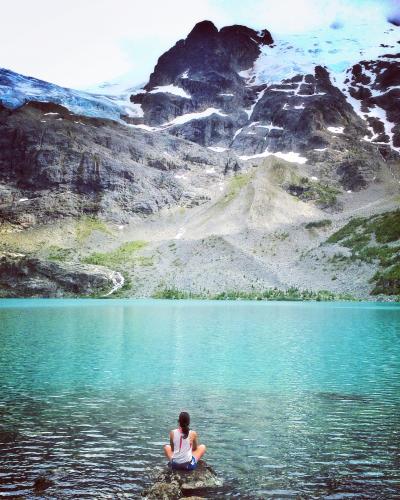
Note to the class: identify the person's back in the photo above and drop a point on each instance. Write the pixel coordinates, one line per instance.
(183, 451)
(182, 446)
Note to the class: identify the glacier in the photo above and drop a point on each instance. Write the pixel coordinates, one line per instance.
(17, 89)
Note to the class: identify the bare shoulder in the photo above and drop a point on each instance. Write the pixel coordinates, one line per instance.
(193, 434)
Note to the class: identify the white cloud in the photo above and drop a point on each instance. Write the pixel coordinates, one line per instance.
(78, 43)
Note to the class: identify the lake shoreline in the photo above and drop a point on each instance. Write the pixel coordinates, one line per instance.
(273, 295)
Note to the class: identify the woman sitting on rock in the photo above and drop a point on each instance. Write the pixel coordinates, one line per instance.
(183, 452)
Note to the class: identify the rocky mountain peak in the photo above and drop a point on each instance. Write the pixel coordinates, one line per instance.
(202, 29)
(233, 48)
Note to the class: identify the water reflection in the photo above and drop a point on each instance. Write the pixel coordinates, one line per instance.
(292, 399)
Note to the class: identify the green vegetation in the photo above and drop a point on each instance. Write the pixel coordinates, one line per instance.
(318, 224)
(323, 194)
(236, 183)
(386, 228)
(281, 235)
(86, 225)
(174, 293)
(59, 254)
(388, 281)
(373, 240)
(270, 294)
(123, 254)
(305, 189)
(347, 230)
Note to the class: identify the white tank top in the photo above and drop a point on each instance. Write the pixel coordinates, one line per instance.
(182, 448)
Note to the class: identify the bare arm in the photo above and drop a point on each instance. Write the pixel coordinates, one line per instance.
(194, 442)
(171, 440)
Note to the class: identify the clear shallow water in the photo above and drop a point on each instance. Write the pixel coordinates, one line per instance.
(292, 399)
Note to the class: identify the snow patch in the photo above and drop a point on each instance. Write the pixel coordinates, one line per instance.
(180, 233)
(171, 89)
(246, 73)
(259, 96)
(298, 54)
(290, 156)
(237, 133)
(180, 120)
(132, 110)
(270, 127)
(282, 90)
(217, 149)
(336, 130)
(142, 126)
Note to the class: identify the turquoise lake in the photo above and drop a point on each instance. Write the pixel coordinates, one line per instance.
(293, 399)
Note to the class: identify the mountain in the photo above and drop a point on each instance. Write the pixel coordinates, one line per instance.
(237, 166)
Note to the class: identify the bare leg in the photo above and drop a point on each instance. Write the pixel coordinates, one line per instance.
(168, 451)
(199, 451)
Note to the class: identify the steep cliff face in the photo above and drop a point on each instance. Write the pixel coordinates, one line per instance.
(375, 88)
(202, 74)
(54, 163)
(240, 91)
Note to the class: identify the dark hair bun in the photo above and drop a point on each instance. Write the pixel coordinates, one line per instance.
(184, 422)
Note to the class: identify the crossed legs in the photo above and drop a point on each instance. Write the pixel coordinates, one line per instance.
(197, 453)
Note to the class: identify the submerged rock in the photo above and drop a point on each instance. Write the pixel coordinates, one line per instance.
(7, 436)
(41, 483)
(171, 484)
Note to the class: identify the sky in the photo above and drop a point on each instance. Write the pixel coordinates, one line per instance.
(80, 43)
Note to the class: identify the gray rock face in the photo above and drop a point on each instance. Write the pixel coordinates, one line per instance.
(206, 66)
(377, 84)
(177, 484)
(61, 164)
(203, 73)
(25, 276)
(55, 164)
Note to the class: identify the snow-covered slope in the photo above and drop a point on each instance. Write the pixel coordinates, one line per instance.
(336, 48)
(259, 79)
(17, 89)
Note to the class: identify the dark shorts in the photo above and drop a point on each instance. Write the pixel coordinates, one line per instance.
(185, 466)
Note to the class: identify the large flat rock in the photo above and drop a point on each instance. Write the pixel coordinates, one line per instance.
(171, 484)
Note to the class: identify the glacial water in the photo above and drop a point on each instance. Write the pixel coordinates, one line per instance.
(293, 400)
